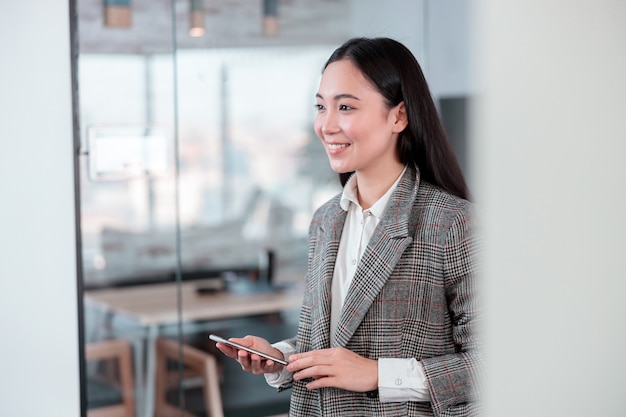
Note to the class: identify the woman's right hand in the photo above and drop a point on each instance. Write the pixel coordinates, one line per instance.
(251, 362)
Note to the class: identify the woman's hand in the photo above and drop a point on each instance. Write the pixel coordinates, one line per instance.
(251, 362)
(335, 367)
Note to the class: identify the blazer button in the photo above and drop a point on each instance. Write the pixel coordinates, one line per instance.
(372, 394)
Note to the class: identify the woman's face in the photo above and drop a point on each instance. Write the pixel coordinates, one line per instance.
(357, 129)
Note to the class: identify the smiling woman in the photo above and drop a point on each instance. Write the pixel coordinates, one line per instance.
(388, 321)
(215, 165)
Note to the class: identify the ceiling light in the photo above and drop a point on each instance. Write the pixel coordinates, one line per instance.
(270, 17)
(117, 13)
(196, 19)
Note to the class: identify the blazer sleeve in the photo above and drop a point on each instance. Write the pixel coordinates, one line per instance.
(453, 378)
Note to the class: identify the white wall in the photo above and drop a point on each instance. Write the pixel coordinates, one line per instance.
(438, 32)
(38, 309)
(450, 36)
(402, 20)
(551, 141)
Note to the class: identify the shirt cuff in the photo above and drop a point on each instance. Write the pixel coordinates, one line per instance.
(277, 379)
(402, 380)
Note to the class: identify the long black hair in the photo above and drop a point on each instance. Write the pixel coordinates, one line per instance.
(395, 72)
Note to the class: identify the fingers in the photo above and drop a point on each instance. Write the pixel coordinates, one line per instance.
(239, 355)
(334, 367)
(310, 359)
(321, 382)
(316, 375)
(313, 364)
(244, 359)
(251, 362)
(227, 350)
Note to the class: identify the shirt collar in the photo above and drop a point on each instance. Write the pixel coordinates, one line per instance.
(349, 195)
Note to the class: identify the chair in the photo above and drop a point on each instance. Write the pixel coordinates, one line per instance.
(196, 363)
(122, 388)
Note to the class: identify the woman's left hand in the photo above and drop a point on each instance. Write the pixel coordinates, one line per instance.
(335, 367)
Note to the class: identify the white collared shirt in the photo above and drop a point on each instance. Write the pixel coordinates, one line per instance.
(398, 379)
(357, 231)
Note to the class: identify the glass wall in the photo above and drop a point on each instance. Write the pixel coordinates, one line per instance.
(128, 202)
(199, 173)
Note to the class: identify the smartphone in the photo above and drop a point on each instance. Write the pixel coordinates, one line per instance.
(216, 338)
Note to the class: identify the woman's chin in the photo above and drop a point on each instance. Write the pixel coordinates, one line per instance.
(340, 168)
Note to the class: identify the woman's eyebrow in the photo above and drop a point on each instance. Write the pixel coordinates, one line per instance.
(339, 96)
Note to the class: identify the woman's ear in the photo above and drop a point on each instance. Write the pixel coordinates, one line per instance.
(400, 121)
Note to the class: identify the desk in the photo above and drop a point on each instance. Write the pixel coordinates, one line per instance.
(156, 306)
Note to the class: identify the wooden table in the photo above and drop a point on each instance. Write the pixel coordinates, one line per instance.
(157, 306)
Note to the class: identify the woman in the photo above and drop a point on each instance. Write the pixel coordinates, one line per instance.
(388, 320)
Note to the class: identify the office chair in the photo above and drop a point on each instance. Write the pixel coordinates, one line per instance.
(123, 388)
(196, 363)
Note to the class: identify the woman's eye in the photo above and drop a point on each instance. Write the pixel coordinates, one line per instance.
(344, 107)
(319, 107)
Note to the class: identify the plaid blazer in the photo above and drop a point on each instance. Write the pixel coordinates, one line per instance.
(412, 296)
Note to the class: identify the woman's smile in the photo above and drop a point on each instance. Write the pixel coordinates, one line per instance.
(336, 148)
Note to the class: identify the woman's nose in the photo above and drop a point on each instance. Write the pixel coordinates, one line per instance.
(329, 123)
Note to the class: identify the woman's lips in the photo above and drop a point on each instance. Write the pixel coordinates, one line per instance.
(334, 148)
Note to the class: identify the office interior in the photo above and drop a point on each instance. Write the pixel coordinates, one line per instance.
(199, 171)
(178, 203)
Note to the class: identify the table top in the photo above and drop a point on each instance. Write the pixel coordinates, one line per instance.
(158, 303)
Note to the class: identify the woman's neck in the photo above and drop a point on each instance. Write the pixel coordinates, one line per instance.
(372, 186)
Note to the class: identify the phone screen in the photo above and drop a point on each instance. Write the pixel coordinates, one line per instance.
(216, 338)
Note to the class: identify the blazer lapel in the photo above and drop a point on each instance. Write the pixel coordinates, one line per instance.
(391, 237)
(329, 233)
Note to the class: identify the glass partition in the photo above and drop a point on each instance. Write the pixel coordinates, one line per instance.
(251, 174)
(199, 173)
(128, 200)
